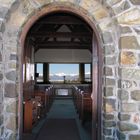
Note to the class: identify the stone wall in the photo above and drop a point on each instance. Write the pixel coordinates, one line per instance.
(118, 25)
(128, 72)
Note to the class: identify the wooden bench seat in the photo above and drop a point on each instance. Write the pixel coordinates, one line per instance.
(86, 107)
(83, 103)
(32, 112)
(36, 107)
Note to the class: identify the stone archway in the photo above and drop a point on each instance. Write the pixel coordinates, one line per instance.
(97, 56)
(93, 13)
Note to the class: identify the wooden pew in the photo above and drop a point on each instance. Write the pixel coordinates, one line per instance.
(76, 98)
(36, 107)
(31, 114)
(83, 103)
(46, 97)
(50, 97)
(86, 107)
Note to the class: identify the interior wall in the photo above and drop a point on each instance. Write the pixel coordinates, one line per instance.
(28, 71)
(63, 55)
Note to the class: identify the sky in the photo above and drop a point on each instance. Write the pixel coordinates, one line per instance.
(63, 68)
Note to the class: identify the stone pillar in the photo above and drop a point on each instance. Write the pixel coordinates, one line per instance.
(82, 72)
(45, 72)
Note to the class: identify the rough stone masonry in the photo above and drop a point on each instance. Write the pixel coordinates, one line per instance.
(118, 25)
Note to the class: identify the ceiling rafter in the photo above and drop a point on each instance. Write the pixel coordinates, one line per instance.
(61, 20)
(61, 34)
(62, 43)
(46, 33)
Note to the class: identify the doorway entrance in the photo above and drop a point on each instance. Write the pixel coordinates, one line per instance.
(60, 38)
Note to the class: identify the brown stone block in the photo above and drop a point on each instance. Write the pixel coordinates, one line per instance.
(120, 135)
(108, 91)
(122, 7)
(108, 116)
(108, 138)
(127, 126)
(110, 82)
(110, 60)
(109, 105)
(129, 42)
(107, 37)
(128, 107)
(10, 90)
(135, 2)
(124, 117)
(43, 2)
(129, 73)
(125, 29)
(113, 2)
(135, 95)
(127, 58)
(136, 118)
(13, 57)
(131, 17)
(27, 7)
(107, 132)
(108, 71)
(12, 108)
(108, 50)
(109, 124)
(100, 14)
(11, 75)
(12, 123)
(12, 65)
(134, 137)
(127, 84)
(123, 94)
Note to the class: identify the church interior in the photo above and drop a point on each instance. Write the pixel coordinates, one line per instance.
(56, 108)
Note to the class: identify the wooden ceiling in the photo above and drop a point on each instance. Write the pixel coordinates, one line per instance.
(60, 30)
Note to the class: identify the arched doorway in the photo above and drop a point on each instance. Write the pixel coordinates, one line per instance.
(106, 26)
(96, 71)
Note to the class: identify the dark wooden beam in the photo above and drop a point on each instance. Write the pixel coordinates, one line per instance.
(63, 45)
(36, 28)
(77, 29)
(60, 20)
(61, 34)
(55, 47)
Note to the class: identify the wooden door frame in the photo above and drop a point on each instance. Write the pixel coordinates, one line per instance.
(96, 88)
(96, 64)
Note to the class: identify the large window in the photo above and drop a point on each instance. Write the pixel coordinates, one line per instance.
(64, 73)
(88, 72)
(39, 72)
